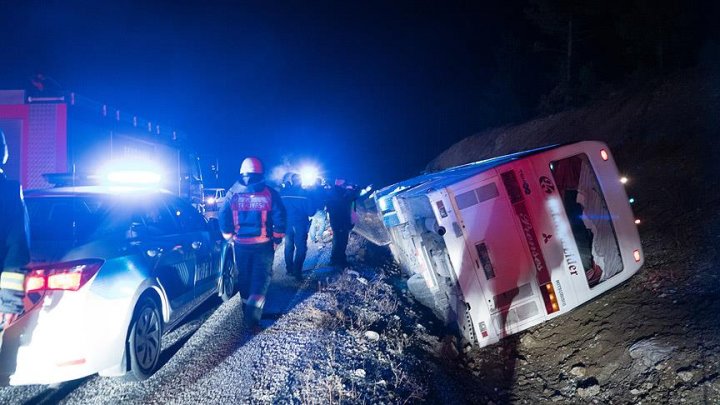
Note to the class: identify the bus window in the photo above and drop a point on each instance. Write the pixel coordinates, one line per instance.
(589, 218)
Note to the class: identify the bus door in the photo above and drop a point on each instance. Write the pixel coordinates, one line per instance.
(499, 256)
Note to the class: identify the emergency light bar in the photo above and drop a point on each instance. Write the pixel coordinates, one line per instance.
(134, 177)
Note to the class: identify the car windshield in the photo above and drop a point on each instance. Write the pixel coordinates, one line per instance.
(69, 218)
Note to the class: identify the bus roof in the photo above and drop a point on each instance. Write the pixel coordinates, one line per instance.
(444, 178)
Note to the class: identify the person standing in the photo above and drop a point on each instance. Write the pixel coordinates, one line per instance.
(299, 209)
(339, 206)
(253, 216)
(14, 243)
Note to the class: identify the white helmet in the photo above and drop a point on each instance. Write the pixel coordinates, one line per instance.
(251, 165)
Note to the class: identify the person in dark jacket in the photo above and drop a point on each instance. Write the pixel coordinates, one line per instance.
(299, 207)
(14, 242)
(339, 206)
(254, 217)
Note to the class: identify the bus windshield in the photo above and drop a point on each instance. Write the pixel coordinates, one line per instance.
(589, 218)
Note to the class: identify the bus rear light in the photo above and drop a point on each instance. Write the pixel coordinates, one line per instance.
(636, 255)
(604, 155)
(548, 293)
(68, 276)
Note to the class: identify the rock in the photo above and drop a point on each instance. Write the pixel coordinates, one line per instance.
(588, 388)
(649, 352)
(589, 391)
(372, 336)
(635, 391)
(578, 370)
(686, 376)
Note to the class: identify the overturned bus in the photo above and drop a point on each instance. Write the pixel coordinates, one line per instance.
(500, 245)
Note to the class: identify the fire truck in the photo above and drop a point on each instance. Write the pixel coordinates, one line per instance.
(68, 133)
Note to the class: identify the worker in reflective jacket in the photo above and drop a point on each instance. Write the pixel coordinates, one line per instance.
(14, 242)
(254, 217)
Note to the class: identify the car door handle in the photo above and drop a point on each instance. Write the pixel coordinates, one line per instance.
(196, 245)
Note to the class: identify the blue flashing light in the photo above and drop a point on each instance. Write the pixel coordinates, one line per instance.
(308, 175)
(134, 177)
(128, 173)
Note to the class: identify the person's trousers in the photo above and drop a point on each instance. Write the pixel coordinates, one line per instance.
(340, 242)
(296, 247)
(254, 264)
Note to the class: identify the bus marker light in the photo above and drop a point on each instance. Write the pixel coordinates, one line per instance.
(631, 200)
(637, 222)
(548, 294)
(636, 255)
(604, 155)
(623, 180)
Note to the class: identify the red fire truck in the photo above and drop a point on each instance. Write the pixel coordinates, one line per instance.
(72, 134)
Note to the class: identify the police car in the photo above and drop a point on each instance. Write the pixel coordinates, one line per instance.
(113, 269)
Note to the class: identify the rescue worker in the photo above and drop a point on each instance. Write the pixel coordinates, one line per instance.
(14, 242)
(339, 206)
(254, 217)
(300, 208)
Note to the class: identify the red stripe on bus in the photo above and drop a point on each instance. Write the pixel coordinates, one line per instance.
(513, 188)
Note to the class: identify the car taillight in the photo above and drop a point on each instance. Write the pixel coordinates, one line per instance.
(604, 155)
(69, 276)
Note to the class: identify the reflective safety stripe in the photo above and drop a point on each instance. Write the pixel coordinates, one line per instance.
(278, 235)
(252, 240)
(235, 219)
(12, 281)
(256, 300)
(263, 226)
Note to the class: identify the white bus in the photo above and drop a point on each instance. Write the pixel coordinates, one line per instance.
(507, 243)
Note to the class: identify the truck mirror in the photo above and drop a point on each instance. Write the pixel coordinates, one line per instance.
(441, 230)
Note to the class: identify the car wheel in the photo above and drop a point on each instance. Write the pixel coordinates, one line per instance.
(144, 341)
(228, 284)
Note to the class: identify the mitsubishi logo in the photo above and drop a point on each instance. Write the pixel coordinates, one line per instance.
(546, 237)
(546, 184)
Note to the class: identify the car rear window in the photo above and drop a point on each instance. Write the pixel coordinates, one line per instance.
(76, 218)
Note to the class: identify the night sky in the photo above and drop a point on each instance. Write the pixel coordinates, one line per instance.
(372, 91)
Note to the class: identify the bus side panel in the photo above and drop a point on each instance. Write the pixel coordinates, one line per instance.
(551, 231)
(482, 328)
(501, 258)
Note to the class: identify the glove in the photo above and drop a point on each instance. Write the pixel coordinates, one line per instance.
(276, 242)
(12, 292)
